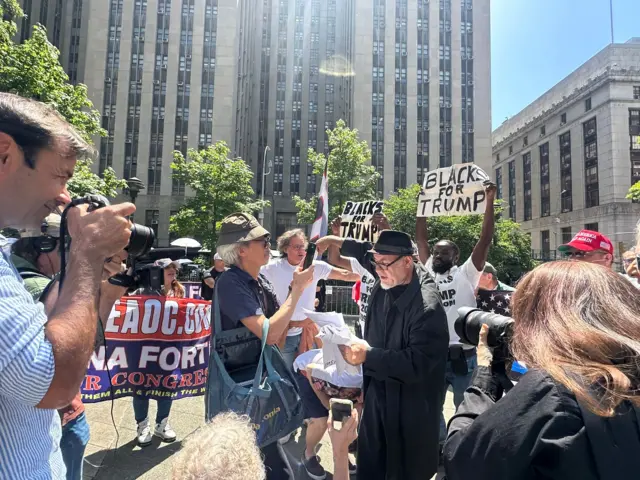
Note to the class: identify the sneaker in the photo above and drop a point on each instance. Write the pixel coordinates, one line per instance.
(164, 431)
(353, 469)
(313, 467)
(144, 433)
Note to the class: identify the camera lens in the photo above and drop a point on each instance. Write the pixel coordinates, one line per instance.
(470, 321)
(141, 241)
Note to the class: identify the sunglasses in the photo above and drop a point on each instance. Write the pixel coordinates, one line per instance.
(580, 254)
(266, 241)
(385, 266)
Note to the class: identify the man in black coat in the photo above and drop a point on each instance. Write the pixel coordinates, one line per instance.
(403, 365)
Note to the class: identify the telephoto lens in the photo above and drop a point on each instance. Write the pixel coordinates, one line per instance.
(470, 321)
(141, 241)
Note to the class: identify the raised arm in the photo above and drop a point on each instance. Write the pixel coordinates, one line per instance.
(422, 239)
(481, 250)
(344, 275)
(333, 251)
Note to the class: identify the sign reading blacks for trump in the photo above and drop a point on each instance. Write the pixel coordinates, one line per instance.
(156, 347)
(356, 220)
(455, 190)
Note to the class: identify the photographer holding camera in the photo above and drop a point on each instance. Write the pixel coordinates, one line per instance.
(575, 413)
(43, 358)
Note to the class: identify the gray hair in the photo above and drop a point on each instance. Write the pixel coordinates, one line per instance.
(285, 239)
(224, 449)
(230, 254)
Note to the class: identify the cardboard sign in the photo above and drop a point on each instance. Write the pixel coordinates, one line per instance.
(356, 220)
(157, 347)
(455, 190)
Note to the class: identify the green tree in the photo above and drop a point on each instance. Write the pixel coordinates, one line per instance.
(32, 69)
(221, 186)
(510, 252)
(349, 173)
(634, 192)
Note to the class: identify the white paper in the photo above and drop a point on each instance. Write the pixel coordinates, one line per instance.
(325, 318)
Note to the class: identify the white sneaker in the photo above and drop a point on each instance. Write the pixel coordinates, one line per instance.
(164, 431)
(144, 433)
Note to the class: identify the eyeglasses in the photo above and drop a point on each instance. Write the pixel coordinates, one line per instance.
(298, 247)
(581, 254)
(385, 266)
(266, 241)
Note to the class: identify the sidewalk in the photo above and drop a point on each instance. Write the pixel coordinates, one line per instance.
(113, 455)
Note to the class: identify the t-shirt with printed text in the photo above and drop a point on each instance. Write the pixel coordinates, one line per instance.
(457, 288)
(368, 281)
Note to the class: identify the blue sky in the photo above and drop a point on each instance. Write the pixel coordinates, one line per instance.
(536, 43)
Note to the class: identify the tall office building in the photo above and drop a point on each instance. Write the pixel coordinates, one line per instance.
(413, 76)
(161, 72)
(422, 90)
(566, 161)
(294, 82)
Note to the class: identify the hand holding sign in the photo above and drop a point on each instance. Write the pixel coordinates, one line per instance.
(335, 226)
(490, 189)
(456, 190)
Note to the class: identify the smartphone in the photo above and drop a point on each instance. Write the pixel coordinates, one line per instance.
(311, 254)
(340, 410)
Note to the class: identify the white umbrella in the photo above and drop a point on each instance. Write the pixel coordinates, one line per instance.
(186, 242)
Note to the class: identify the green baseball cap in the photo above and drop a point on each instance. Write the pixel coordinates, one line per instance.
(240, 227)
(488, 268)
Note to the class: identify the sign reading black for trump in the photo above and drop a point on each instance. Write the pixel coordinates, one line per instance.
(455, 190)
(356, 220)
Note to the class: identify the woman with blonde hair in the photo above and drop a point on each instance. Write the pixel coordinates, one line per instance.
(575, 413)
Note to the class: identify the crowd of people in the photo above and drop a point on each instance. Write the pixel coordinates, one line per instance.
(576, 333)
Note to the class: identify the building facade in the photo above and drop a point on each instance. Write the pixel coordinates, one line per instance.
(294, 82)
(567, 161)
(162, 74)
(422, 89)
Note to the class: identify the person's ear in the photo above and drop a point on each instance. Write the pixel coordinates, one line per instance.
(9, 153)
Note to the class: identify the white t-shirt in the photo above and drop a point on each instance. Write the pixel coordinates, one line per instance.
(368, 281)
(330, 373)
(457, 289)
(634, 281)
(280, 273)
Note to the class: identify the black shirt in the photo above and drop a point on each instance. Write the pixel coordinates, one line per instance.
(361, 252)
(206, 292)
(535, 432)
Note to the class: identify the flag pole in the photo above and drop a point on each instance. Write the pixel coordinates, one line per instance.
(611, 18)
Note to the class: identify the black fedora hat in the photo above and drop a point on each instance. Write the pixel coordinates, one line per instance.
(392, 242)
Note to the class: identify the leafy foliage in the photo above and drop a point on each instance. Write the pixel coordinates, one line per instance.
(32, 69)
(349, 173)
(221, 186)
(634, 192)
(510, 252)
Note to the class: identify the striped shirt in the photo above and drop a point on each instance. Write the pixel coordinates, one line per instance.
(29, 436)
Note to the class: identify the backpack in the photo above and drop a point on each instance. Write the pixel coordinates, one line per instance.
(27, 273)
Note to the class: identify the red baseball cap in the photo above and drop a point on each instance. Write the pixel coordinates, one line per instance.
(588, 241)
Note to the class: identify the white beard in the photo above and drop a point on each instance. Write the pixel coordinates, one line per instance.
(384, 286)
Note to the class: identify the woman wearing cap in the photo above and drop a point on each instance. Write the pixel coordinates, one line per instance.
(172, 288)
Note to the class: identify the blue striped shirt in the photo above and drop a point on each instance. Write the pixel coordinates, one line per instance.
(29, 436)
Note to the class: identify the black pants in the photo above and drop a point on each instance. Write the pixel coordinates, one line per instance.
(273, 463)
(372, 443)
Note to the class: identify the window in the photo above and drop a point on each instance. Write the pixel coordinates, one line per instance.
(566, 235)
(587, 104)
(545, 240)
(565, 173)
(525, 141)
(512, 190)
(497, 157)
(590, 140)
(636, 92)
(526, 170)
(151, 220)
(543, 130)
(563, 119)
(591, 226)
(510, 149)
(545, 194)
(499, 183)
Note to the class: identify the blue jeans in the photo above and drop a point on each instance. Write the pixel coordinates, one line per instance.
(459, 384)
(141, 408)
(290, 350)
(75, 437)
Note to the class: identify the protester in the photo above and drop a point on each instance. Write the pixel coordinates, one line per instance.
(576, 328)
(630, 265)
(210, 276)
(224, 449)
(302, 331)
(246, 297)
(589, 246)
(172, 288)
(43, 358)
(353, 255)
(403, 366)
(489, 280)
(457, 287)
